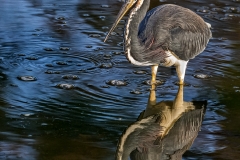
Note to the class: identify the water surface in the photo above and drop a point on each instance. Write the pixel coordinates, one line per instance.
(55, 99)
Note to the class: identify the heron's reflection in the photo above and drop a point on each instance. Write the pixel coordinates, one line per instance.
(165, 130)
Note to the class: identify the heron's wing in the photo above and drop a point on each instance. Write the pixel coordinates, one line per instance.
(174, 28)
(187, 44)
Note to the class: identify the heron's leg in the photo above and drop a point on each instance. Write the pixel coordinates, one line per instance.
(154, 74)
(181, 68)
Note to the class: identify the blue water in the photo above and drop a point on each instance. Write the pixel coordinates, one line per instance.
(60, 43)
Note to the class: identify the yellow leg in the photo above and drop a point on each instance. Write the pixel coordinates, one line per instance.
(154, 74)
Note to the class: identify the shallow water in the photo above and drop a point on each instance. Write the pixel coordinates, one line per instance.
(55, 99)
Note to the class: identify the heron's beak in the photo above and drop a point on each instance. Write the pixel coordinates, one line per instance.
(121, 13)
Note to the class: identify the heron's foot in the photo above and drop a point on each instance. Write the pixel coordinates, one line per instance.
(181, 82)
(153, 85)
(153, 82)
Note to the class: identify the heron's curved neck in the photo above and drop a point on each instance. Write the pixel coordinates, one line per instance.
(136, 15)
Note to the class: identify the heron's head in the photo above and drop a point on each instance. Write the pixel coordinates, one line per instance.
(126, 6)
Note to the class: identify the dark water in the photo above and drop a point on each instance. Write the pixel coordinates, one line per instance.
(55, 102)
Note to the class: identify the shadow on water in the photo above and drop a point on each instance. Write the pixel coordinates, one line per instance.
(164, 130)
(64, 94)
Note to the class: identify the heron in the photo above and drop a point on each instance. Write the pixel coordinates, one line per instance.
(167, 35)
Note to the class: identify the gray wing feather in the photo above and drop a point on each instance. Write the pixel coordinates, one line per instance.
(174, 28)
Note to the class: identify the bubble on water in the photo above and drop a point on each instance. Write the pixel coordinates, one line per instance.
(109, 40)
(222, 38)
(27, 114)
(117, 53)
(62, 22)
(120, 28)
(203, 10)
(105, 27)
(98, 48)
(35, 34)
(21, 54)
(106, 65)
(105, 6)
(94, 35)
(85, 15)
(52, 72)
(49, 65)
(65, 86)
(105, 86)
(38, 29)
(135, 92)
(120, 44)
(73, 77)
(61, 63)
(64, 48)
(113, 33)
(197, 86)
(184, 84)
(140, 72)
(27, 78)
(48, 49)
(107, 56)
(102, 17)
(13, 85)
(201, 76)
(44, 124)
(32, 58)
(158, 82)
(61, 18)
(79, 64)
(217, 9)
(117, 83)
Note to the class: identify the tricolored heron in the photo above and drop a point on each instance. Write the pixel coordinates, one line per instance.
(166, 35)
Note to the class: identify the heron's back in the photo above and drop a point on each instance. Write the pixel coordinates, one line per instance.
(174, 28)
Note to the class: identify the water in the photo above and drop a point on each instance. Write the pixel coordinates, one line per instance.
(55, 99)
